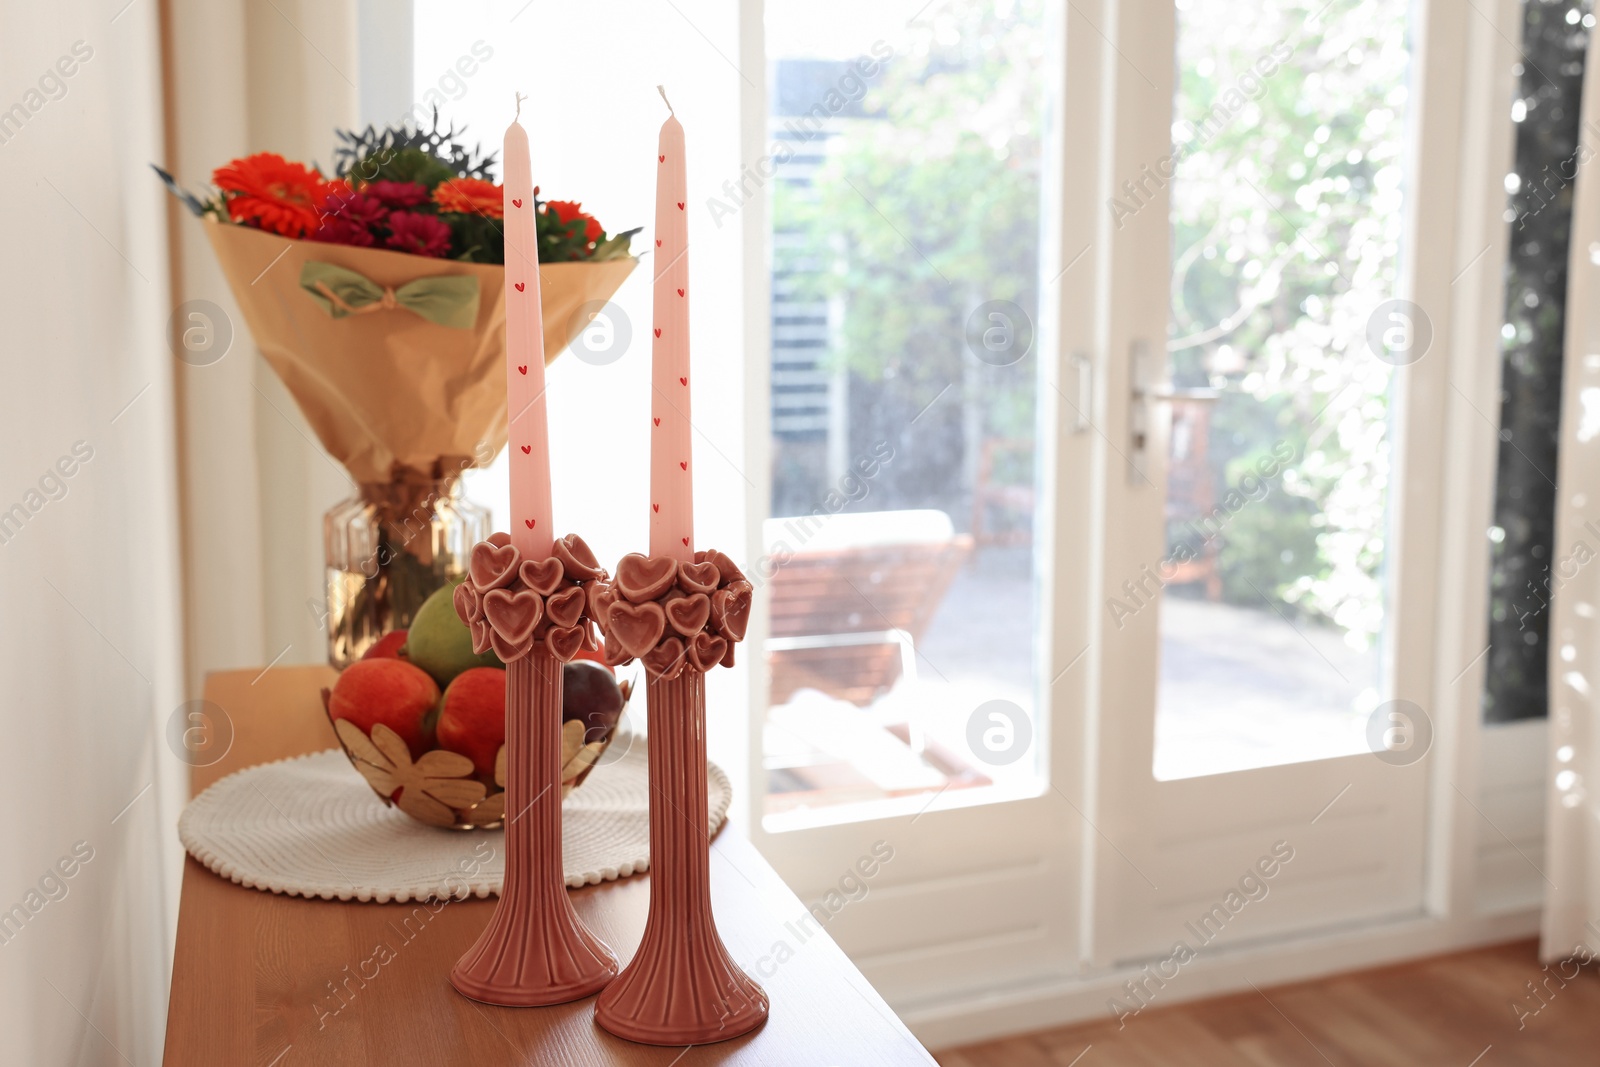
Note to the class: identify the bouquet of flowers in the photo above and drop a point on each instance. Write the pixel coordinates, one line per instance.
(376, 294)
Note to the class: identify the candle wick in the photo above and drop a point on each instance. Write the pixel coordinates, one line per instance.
(520, 99)
(663, 91)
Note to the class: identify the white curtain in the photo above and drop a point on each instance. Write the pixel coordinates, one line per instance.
(251, 76)
(1572, 909)
(90, 661)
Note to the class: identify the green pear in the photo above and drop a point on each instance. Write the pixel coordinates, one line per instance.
(439, 642)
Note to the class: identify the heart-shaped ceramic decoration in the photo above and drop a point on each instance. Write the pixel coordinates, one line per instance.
(601, 596)
(513, 615)
(566, 607)
(564, 642)
(699, 577)
(641, 578)
(578, 558)
(480, 636)
(665, 661)
(706, 650)
(508, 651)
(730, 610)
(469, 605)
(726, 568)
(543, 576)
(688, 614)
(637, 627)
(492, 565)
(615, 654)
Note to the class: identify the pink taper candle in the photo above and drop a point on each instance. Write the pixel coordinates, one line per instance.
(531, 531)
(671, 459)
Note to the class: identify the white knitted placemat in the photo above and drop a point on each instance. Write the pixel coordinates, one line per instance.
(312, 827)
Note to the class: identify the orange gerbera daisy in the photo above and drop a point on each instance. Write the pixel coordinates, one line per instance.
(274, 194)
(471, 196)
(567, 210)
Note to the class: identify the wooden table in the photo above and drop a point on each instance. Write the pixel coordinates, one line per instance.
(254, 973)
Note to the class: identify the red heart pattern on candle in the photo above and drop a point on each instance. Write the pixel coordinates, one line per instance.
(701, 577)
(683, 381)
(655, 507)
(658, 242)
(543, 576)
(706, 650)
(680, 205)
(688, 614)
(661, 159)
(578, 558)
(682, 465)
(637, 627)
(491, 565)
(658, 423)
(513, 615)
(658, 331)
(680, 292)
(564, 641)
(520, 287)
(641, 578)
(516, 202)
(526, 449)
(665, 661)
(566, 607)
(529, 523)
(522, 368)
(685, 541)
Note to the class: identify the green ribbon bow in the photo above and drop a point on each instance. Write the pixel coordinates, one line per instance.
(448, 299)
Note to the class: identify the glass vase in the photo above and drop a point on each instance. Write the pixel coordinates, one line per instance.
(388, 548)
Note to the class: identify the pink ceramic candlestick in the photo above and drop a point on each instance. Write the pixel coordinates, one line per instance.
(680, 613)
(671, 459)
(531, 531)
(535, 950)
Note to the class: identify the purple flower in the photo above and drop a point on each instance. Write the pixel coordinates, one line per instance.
(397, 194)
(421, 235)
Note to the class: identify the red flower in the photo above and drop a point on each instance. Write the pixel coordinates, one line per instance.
(339, 230)
(471, 196)
(354, 207)
(568, 210)
(421, 235)
(397, 194)
(268, 191)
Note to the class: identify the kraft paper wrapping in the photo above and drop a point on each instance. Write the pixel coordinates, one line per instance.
(390, 393)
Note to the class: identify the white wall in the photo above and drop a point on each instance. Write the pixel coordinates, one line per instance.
(89, 656)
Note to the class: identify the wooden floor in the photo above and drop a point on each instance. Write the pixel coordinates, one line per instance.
(1473, 1009)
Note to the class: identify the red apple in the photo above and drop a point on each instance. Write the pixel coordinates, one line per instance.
(387, 647)
(391, 691)
(472, 718)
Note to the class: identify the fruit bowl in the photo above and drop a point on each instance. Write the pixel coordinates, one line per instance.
(422, 719)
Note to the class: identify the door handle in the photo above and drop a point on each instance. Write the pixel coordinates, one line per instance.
(1085, 368)
(1142, 395)
(1158, 393)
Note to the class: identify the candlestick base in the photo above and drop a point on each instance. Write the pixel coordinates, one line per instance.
(535, 950)
(682, 987)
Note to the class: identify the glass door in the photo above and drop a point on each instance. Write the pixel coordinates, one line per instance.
(1270, 747)
(904, 559)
